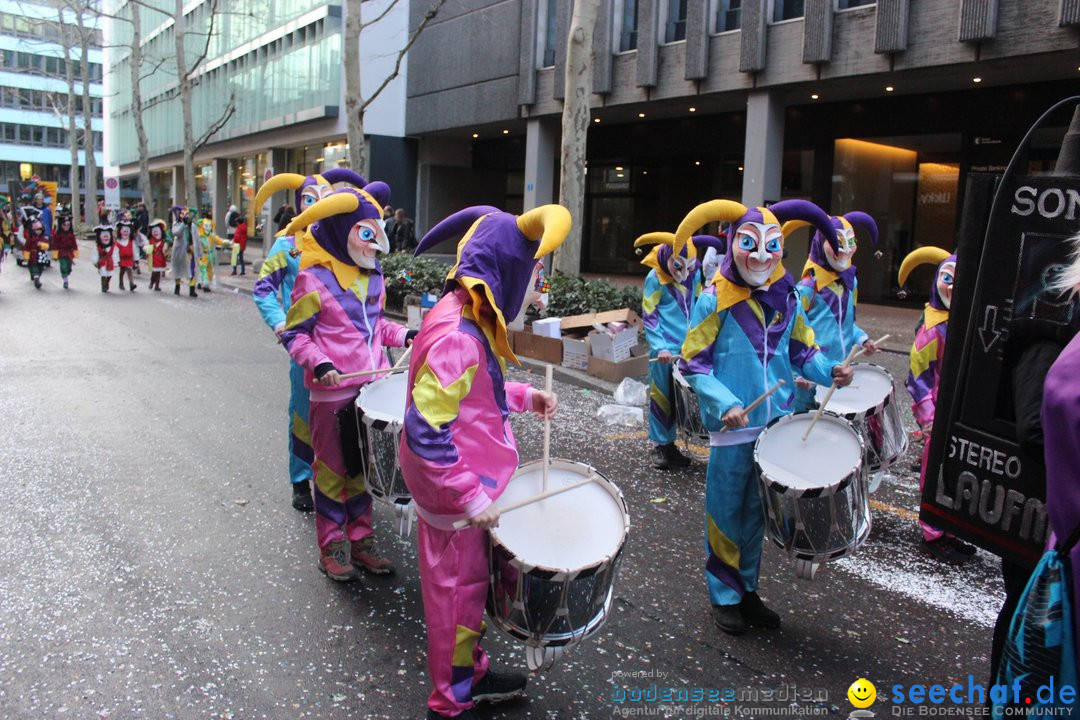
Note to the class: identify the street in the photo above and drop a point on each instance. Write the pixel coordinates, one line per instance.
(152, 567)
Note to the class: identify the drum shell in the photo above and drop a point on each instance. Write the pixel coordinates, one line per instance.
(820, 524)
(552, 606)
(382, 434)
(881, 428)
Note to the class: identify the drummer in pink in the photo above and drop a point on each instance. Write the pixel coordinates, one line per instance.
(335, 326)
(457, 449)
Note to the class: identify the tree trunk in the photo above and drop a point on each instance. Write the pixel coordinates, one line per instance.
(354, 106)
(73, 134)
(88, 112)
(575, 129)
(136, 112)
(183, 74)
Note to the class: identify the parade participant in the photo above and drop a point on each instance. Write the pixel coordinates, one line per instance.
(208, 241)
(159, 251)
(34, 248)
(186, 252)
(711, 253)
(667, 298)
(747, 332)
(273, 297)
(336, 326)
(239, 239)
(126, 251)
(828, 292)
(927, 354)
(457, 448)
(105, 254)
(65, 247)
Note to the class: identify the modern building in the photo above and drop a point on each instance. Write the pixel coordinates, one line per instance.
(281, 63)
(884, 107)
(33, 96)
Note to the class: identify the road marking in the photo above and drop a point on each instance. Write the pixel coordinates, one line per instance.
(893, 510)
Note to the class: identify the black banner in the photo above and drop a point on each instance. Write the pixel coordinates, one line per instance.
(980, 484)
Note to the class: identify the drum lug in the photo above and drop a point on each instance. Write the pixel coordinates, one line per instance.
(806, 569)
(405, 513)
(542, 658)
(875, 481)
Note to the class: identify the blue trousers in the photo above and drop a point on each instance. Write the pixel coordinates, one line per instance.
(661, 404)
(734, 524)
(300, 453)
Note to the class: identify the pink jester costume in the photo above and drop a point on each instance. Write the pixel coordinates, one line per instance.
(336, 325)
(457, 449)
(924, 377)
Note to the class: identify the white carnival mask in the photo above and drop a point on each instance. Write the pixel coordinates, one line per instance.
(945, 278)
(313, 194)
(758, 249)
(366, 239)
(680, 267)
(840, 259)
(710, 263)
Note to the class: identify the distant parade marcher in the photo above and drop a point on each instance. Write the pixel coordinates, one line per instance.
(159, 251)
(65, 247)
(240, 238)
(35, 250)
(208, 241)
(185, 250)
(105, 254)
(126, 251)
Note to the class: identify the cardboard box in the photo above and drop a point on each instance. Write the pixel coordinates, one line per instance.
(583, 321)
(548, 327)
(613, 347)
(636, 366)
(538, 347)
(575, 352)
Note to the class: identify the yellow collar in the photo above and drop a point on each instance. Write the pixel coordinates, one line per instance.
(933, 317)
(729, 294)
(492, 323)
(823, 277)
(652, 260)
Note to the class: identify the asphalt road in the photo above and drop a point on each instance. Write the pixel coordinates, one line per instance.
(152, 567)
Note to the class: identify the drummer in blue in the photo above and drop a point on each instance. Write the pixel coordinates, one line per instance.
(747, 331)
(829, 291)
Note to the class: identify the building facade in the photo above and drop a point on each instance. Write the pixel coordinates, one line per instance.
(884, 107)
(280, 62)
(33, 97)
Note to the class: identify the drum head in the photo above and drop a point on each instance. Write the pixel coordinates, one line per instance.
(828, 457)
(868, 389)
(384, 399)
(567, 532)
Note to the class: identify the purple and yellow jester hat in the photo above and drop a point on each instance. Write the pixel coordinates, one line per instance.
(496, 257)
(297, 182)
(329, 223)
(818, 262)
(658, 257)
(927, 255)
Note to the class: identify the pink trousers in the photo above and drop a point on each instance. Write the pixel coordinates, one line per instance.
(342, 502)
(929, 532)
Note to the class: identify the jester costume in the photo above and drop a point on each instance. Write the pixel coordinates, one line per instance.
(35, 248)
(671, 287)
(126, 251)
(457, 448)
(208, 241)
(336, 325)
(829, 291)
(747, 332)
(159, 242)
(65, 248)
(105, 256)
(924, 377)
(273, 297)
(186, 252)
(711, 253)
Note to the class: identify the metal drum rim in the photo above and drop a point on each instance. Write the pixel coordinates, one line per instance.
(828, 489)
(371, 417)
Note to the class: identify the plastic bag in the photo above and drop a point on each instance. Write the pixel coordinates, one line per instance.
(631, 392)
(621, 415)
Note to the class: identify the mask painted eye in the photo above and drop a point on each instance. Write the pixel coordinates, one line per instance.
(309, 200)
(367, 235)
(747, 243)
(773, 246)
(676, 265)
(947, 278)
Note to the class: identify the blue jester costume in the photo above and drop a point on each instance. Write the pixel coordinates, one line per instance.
(671, 287)
(829, 291)
(273, 297)
(747, 331)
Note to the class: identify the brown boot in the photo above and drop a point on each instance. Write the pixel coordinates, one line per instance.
(363, 556)
(334, 562)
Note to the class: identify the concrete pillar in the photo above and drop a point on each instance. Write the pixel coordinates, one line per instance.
(763, 158)
(278, 160)
(541, 152)
(178, 193)
(219, 203)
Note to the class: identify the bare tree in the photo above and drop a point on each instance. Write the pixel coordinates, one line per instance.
(355, 104)
(85, 39)
(135, 69)
(575, 129)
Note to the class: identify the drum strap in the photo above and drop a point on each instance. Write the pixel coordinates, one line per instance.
(735, 437)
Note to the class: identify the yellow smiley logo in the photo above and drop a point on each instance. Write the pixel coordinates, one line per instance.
(862, 693)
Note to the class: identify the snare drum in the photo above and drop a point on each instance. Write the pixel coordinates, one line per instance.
(869, 404)
(687, 409)
(813, 492)
(553, 562)
(382, 410)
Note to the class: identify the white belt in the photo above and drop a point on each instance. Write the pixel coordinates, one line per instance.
(735, 437)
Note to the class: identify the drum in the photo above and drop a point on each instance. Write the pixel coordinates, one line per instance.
(553, 562)
(814, 492)
(382, 411)
(687, 409)
(869, 404)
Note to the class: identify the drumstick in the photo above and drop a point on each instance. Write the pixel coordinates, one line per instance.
(536, 498)
(401, 365)
(547, 427)
(877, 343)
(673, 358)
(828, 395)
(760, 400)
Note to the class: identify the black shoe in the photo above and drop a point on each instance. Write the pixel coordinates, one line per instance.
(729, 619)
(37, 283)
(191, 292)
(301, 497)
(948, 549)
(176, 290)
(659, 458)
(499, 686)
(466, 714)
(755, 613)
(674, 457)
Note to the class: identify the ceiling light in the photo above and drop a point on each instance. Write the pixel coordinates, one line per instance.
(976, 79)
(596, 120)
(889, 88)
(740, 168)
(475, 135)
(644, 172)
(618, 175)
(506, 132)
(693, 109)
(618, 167)
(641, 115)
(319, 159)
(815, 96)
(697, 162)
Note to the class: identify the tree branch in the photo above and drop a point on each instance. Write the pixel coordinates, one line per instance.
(383, 14)
(230, 110)
(428, 17)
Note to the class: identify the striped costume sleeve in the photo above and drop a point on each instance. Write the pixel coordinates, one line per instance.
(268, 286)
(806, 357)
(300, 323)
(651, 295)
(858, 335)
(443, 380)
(697, 358)
(926, 353)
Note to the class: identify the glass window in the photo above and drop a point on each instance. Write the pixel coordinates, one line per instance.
(550, 10)
(787, 9)
(728, 15)
(848, 4)
(675, 26)
(627, 26)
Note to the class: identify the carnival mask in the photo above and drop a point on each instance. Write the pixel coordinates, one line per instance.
(313, 194)
(155, 232)
(37, 228)
(945, 278)
(679, 267)
(710, 263)
(365, 240)
(758, 248)
(840, 259)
